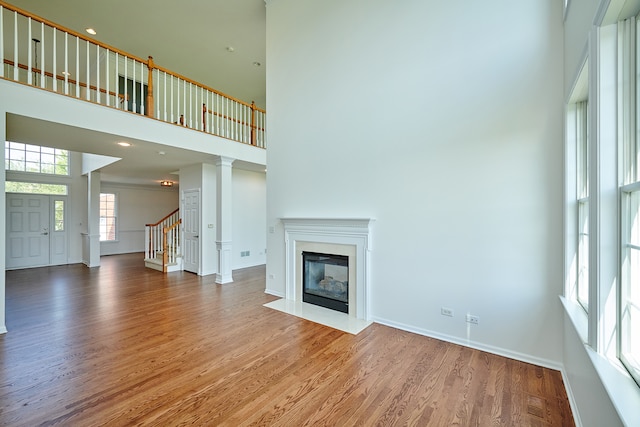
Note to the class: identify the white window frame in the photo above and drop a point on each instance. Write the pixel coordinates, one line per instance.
(115, 218)
(32, 150)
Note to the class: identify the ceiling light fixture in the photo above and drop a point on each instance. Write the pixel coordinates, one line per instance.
(162, 153)
(166, 183)
(91, 31)
(124, 144)
(230, 49)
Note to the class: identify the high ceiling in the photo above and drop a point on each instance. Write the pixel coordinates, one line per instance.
(189, 37)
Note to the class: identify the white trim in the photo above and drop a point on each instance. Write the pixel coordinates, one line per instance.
(353, 232)
(546, 363)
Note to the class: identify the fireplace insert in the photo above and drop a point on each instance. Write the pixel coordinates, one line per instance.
(325, 280)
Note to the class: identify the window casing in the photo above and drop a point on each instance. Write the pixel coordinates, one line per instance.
(108, 217)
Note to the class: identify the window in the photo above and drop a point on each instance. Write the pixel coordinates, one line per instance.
(108, 217)
(630, 274)
(35, 188)
(58, 215)
(35, 159)
(582, 194)
(629, 210)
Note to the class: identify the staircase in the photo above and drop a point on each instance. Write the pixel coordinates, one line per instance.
(163, 244)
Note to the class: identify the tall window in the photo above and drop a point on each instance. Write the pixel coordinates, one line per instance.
(108, 217)
(629, 327)
(35, 158)
(582, 192)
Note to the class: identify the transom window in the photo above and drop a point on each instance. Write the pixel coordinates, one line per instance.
(36, 159)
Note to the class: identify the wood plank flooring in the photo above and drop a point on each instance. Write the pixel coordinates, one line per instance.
(124, 345)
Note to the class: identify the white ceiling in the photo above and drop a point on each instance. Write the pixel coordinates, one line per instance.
(189, 37)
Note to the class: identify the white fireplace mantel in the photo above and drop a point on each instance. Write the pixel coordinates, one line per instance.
(353, 234)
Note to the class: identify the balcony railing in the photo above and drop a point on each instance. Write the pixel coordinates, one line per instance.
(39, 53)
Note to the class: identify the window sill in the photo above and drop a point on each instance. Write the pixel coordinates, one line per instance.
(621, 388)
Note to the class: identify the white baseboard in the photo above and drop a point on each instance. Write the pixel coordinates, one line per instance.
(572, 400)
(274, 293)
(546, 363)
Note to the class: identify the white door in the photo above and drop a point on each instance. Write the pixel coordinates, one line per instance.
(191, 234)
(27, 230)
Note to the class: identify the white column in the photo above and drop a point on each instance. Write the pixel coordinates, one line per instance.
(223, 218)
(91, 242)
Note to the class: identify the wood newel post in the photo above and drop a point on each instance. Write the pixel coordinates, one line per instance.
(150, 107)
(164, 250)
(253, 123)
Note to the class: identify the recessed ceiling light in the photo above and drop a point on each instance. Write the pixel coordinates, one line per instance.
(124, 144)
(230, 49)
(91, 31)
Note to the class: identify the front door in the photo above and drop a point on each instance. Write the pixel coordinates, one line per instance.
(191, 223)
(27, 230)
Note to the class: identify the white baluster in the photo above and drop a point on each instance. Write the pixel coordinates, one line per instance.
(77, 67)
(98, 74)
(184, 100)
(126, 85)
(87, 81)
(66, 63)
(133, 86)
(173, 118)
(107, 78)
(142, 100)
(164, 98)
(15, 46)
(117, 80)
(190, 105)
(156, 97)
(42, 81)
(29, 59)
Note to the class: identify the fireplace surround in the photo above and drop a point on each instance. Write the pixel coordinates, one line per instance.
(346, 237)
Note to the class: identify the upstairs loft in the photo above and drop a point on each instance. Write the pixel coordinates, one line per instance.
(40, 54)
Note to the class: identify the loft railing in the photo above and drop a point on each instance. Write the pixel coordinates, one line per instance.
(40, 53)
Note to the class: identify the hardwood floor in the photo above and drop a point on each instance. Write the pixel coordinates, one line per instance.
(125, 345)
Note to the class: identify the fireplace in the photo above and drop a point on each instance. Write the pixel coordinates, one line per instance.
(325, 280)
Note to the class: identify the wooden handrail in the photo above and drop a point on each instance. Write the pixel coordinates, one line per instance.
(165, 230)
(167, 216)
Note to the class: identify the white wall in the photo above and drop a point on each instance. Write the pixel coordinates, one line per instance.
(136, 206)
(249, 218)
(443, 121)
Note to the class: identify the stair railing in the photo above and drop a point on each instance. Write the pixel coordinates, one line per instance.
(154, 235)
(170, 244)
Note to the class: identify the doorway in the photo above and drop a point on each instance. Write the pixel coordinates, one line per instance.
(36, 233)
(191, 234)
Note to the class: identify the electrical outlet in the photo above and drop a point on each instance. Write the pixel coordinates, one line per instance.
(446, 311)
(473, 319)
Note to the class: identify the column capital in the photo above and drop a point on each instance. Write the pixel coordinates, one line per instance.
(224, 161)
